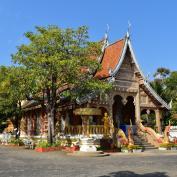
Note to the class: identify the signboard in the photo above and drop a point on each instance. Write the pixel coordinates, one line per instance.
(87, 111)
(173, 132)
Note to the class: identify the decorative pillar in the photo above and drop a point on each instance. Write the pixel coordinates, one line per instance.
(109, 106)
(158, 120)
(85, 126)
(137, 106)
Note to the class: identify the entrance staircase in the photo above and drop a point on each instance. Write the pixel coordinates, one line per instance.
(138, 140)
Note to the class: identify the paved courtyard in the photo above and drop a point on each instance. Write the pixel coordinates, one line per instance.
(19, 162)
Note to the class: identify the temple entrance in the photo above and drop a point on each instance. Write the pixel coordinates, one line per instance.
(129, 111)
(118, 111)
(123, 114)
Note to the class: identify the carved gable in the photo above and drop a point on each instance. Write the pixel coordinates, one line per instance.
(127, 69)
(146, 100)
(126, 74)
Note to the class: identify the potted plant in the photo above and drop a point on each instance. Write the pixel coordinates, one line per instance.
(124, 148)
(135, 148)
(70, 145)
(42, 146)
(16, 142)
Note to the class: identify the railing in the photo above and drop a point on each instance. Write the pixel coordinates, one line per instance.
(73, 130)
(150, 135)
(92, 129)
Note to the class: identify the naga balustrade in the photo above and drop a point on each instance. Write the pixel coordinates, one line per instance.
(149, 134)
(91, 129)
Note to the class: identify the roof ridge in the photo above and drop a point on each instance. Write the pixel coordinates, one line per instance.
(115, 42)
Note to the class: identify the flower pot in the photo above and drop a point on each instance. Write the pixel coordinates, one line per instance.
(162, 148)
(40, 149)
(137, 150)
(124, 150)
(173, 148)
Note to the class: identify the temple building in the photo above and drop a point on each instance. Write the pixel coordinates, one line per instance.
(130, 97)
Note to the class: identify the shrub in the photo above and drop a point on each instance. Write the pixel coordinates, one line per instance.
(131, 147)
(16, 142)
(166, 145)
(43, 144)
(124, 147)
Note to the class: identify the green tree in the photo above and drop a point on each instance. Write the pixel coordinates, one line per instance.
(165, 84)
(13, 91)
(171, 89)
(59, 60)
(3, 123)
(158, 83)
(162, 73)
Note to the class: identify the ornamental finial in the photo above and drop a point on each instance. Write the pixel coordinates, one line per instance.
(129, 29)
(106, 36)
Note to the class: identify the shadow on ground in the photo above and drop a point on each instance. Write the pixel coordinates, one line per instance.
(132, 174)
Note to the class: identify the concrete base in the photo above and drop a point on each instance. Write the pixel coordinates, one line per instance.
(87, 145)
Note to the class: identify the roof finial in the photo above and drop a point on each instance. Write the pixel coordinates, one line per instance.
(106, 35)
(107, 30)
(129, 28)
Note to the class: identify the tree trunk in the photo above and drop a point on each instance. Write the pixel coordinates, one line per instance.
(51, 101)
(16, 124)
(51, 129)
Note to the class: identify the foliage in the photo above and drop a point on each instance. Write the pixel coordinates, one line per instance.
(167, 145)
(3, 123)
(165, 84)
(131, 147)
(59, 60)
(43, 144)
(16, 142)
(56, 144)
(124, 147)
(171, 89)
(159, 82)
(162, 73)
(13, 90)
(170, 118)
(149, 119)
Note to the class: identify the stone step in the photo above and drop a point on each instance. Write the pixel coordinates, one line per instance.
(138, 140)
(144, 144)
(149, 145)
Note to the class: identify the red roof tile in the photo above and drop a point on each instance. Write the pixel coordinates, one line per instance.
(110, 58)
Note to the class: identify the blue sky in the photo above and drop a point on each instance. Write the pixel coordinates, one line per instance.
(153, 25)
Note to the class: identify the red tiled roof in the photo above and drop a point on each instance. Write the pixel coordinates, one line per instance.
(111, 58)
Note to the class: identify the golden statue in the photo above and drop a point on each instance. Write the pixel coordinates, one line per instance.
(107, 124)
